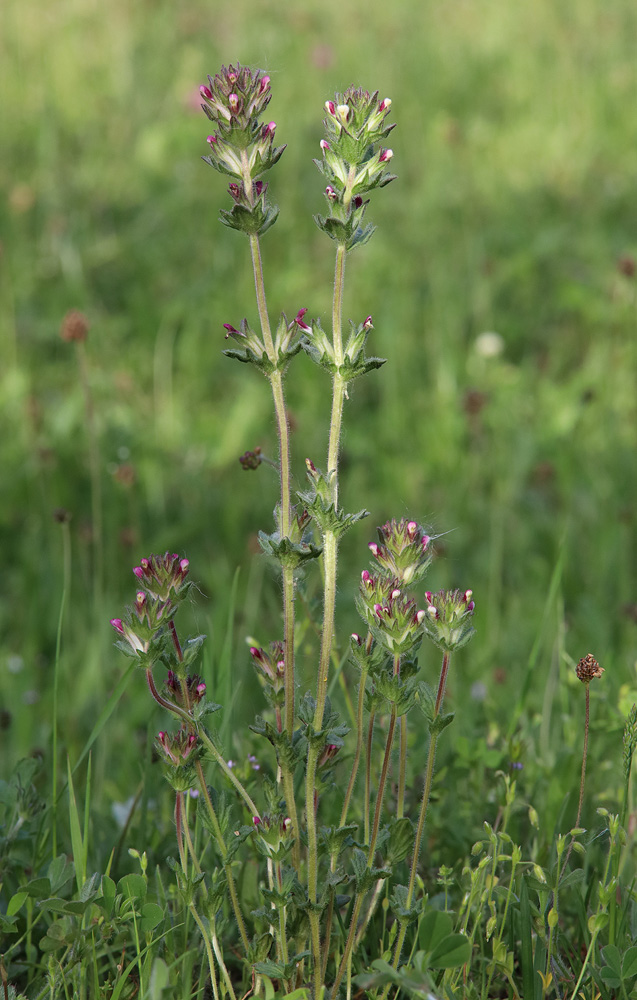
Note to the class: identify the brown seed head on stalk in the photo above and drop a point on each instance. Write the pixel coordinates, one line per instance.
(588, 668)
(75, 326)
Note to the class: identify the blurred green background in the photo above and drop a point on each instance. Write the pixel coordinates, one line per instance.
(514, 213)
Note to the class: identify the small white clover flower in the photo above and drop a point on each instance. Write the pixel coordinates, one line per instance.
(489, 344)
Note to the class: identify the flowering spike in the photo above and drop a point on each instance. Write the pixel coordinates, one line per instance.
(403, 550)
(450, 617)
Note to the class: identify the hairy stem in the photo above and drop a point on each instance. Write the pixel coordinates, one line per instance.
(402, 769)
(330, 556)
(223, 850)
(368, 773)
(285, 518)
(359, 736)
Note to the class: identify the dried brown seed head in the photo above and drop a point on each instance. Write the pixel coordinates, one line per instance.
(75, 326)
(588, 668)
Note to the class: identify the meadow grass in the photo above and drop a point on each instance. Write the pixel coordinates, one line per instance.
(513, 213)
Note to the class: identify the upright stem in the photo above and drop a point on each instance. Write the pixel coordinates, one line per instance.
(330, 554)
(94, 466)
(431, 758)
(359, 734)
(381, 787)
(402, 772)
(285, 518)
(370, 853)
(223, 850)
(276, 384)
(66, 587)
(582, 776)
(368, 774)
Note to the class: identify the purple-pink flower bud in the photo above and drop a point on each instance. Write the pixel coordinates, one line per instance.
(373, 548)
(324, 145)
(117, 625)
(330, 107)
(233, 102)
(205, 92)
(385, 156)
(211, 139)
(264, 84)
(368, 325)
(300, 322)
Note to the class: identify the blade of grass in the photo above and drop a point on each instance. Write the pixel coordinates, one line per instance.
(103, 718)
(530, 676)
(77, 843)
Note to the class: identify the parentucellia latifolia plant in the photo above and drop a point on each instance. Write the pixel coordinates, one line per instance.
(326, 854)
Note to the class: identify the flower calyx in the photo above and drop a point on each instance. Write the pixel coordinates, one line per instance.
(164, 577)
(319, 348)
(390, 613)
(270, 668)
(448, 618)
(273, 836)
(403, 551)
(297, 547)
(252, 349)
(179, 753)
(320, 505)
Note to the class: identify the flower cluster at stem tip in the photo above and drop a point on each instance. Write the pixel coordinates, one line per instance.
(402, 556)
(165, 587)
(242, 147)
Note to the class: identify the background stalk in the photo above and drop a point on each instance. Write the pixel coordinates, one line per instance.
(96, 479)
